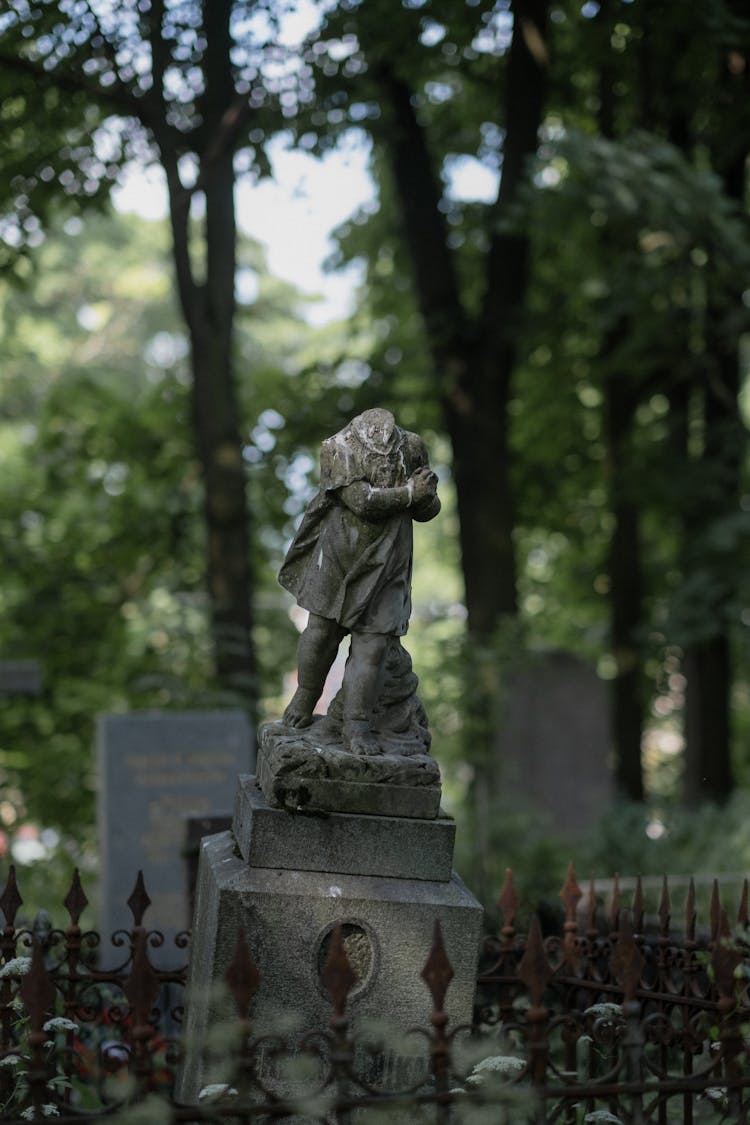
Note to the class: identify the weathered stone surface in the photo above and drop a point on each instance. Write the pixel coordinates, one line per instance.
(288, 916)
(304, 769)
(155, 769)
(340, 842)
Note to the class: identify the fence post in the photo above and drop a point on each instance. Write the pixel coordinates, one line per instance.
(38, 994)
(627, 964)
(141, 990)
(242, 979)
(536, 972)
(338, 978)
(10, 902)
(437, 975)
(725, 959)
(509, 902)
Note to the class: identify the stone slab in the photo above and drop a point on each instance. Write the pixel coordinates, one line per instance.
(156, 768)
(341, 842)
(295, 772)
(553, 742)
(20, 677)
(287, 917)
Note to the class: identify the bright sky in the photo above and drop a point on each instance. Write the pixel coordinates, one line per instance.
(292, 215)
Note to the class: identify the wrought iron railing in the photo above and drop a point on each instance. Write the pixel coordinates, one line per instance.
(602, 1022)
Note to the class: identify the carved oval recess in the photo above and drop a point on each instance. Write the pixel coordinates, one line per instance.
(360, 949)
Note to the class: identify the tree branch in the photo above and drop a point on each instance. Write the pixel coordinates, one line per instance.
(118, 97)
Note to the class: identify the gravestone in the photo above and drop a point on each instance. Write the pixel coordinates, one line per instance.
(553, 745)
(155, 770)
(20, 677)
(342, 828)
(287, 881)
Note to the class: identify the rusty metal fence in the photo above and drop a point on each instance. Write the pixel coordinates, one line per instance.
(601, 1023)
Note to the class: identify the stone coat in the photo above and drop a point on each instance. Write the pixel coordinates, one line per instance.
(351, 559)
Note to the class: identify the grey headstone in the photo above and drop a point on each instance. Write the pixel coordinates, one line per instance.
(20, 677)
(554, 745)
(155, 769)
(341, 842)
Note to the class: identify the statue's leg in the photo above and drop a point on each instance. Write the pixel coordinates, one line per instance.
(316, 653)
(361, 682)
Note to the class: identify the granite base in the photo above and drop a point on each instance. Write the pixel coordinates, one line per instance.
(287, 917)
(396, 847)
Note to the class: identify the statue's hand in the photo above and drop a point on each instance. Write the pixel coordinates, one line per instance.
(424, 485)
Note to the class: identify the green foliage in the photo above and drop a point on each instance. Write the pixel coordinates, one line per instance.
(668, 839)
(98, 515)
(100, 507)
(651, 241)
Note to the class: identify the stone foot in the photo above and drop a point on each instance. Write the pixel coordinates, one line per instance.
(359, 739)
(299, 713)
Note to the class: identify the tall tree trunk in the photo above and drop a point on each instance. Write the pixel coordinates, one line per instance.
(624, 554)
(216, 428)
(708, 664)
(208, 306)
(626, 591)
(473, 359)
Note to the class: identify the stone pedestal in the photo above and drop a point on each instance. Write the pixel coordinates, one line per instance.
(288, 879)
(311, 769)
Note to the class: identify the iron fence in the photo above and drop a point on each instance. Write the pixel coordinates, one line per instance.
(599, 1023)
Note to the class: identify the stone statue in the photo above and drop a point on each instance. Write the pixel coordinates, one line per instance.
(350, 565)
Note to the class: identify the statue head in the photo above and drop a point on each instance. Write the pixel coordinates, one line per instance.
(375, 428)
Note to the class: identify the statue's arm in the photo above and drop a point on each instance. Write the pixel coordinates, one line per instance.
(425, 507)
(370, 503)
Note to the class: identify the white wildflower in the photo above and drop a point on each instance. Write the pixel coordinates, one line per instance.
(16, 967)
(602, 1116)
(216, 1090)
(11, 1060)
(501, 1066)
(50, 1110)
(60, 1023)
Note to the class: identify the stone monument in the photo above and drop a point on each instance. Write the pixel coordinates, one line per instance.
(342, 824)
